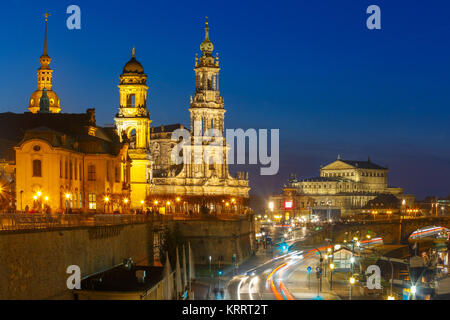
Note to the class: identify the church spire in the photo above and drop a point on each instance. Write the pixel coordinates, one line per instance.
(44, 81)
(133, 53)
(207, 47)
(45, 59)
(46, 15)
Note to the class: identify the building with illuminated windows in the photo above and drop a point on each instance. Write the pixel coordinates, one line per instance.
(343, 185)
(66, 162)
(155, 176)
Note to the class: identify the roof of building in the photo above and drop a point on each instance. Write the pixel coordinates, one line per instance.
(133, 66)
(322, 179)
(122, 279)
(7, 150)
(60, 130)
(363, 164)
(167, 128)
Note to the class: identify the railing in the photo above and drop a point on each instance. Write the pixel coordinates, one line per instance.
(18, 221)
(21, 221)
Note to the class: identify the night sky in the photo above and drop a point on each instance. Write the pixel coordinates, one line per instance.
(310, 68)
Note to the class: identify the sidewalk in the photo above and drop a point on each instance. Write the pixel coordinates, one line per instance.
(301, 288)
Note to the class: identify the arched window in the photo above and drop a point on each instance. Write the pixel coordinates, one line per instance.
(37, 168)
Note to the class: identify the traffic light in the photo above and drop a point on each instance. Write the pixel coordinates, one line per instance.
(219, 272)
(308, 269)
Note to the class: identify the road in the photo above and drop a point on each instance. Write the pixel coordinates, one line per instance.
(286, 278)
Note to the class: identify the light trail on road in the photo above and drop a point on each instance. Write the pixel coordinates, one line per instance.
(255, 279)
(285, 294)
(239, 287)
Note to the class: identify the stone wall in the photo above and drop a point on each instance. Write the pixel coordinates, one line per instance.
(217, 238)
(33, 264)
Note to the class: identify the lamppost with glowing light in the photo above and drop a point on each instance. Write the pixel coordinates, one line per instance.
(413, 292)
(125, 204)
(106, 200)
(271, 207)
(331, 275)
(67, 202)
(352, 281)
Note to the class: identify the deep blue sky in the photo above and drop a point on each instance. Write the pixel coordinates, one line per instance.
(310, 68)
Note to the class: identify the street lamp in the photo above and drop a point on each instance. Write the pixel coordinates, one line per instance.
(352, 281)
(106, 199)
(352, 261)
(210, 258)
(331, 275)
(67, 202)
(413, 292)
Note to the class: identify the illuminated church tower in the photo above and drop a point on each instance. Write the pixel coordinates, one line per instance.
(208, 113)
(133, 123)
(44, 75)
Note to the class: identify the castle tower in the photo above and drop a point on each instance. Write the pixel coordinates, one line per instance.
(44, 80)
(207, 109)
(133, 123)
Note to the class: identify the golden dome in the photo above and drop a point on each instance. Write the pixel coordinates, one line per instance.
(133, 66)
(35, 100)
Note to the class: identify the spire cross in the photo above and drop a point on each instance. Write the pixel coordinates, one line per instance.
(206, 29)
(46, 15)
(133, 52)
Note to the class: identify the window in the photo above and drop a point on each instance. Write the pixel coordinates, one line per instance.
(117, 173)
(70, 170)
(91, 172)
(37, 168)
(107, 171)
(81, 201)
(66, 167)
(92, 201)
(80, 172)
(60, 168)
(131, 100)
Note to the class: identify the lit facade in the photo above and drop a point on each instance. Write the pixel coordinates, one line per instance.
(62, 166)
(209, 178)
(155, 175)
(343, 184)
(133, 124)
(66, 162)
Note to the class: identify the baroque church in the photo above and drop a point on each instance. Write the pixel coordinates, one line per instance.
(62, 162)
